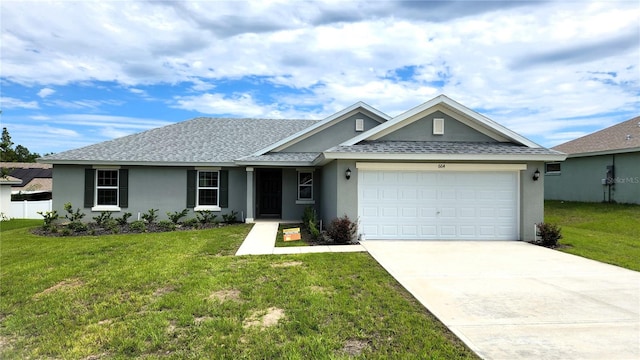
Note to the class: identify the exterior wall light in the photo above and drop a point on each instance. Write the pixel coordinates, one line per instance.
(347, 174)
(536, 175)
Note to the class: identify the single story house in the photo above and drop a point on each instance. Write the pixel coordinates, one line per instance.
(36, 180)
(437, 171)
(600, 167)
(6, 182)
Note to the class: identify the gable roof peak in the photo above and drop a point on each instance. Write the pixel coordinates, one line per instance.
(483, 122)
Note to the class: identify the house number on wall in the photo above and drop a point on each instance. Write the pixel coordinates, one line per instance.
(441, 166)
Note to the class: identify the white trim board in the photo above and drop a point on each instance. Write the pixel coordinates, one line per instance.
(438, 167)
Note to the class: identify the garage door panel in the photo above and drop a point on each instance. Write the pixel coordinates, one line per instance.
(370, 211)
(409, 212)
(438, 205)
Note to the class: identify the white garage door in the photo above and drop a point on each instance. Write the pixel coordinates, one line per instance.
(435, 205)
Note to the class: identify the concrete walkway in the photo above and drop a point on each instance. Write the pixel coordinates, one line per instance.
(514, 300)
(261, 240)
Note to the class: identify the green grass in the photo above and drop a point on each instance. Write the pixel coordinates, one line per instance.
(183, 295)
(605, 232)
(18, 224)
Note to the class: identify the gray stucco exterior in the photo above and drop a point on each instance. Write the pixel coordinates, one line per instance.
(327, 149)
(581, 179)
(421, 130)
(333, 135)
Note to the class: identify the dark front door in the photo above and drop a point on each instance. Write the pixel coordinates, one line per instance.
(269, 186)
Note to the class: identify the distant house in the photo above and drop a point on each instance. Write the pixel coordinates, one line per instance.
(5, 195)
(437, 171)
(603, 166)
(36, 180)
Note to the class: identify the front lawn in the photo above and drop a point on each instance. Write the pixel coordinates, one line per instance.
(184, 295)
(605, 232)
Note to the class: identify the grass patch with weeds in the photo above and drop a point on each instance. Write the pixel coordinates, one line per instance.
(183, 295)
(600, 231)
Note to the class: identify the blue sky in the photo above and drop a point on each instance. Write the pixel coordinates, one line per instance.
(78, 73)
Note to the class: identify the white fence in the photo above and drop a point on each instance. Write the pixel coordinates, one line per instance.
(28, 209)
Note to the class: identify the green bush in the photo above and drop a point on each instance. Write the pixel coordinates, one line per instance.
(205, 216)
(166, 225)
(71, 215)
(122, 221)
(549, 234)
(308, 216)
(192, 223)
(176, 216)
(231, 217)
(77, 226)
(103, 219)
(150, 216)
(313, 230)
(49, 218)
(138, 226)
(342, 230)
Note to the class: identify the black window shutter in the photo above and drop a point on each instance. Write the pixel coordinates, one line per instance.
(192, 178)
(224, 189)
(89, 187)
(124, 187)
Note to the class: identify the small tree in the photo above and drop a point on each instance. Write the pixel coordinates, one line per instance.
(549, 234)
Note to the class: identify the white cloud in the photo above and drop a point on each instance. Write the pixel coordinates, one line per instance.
(538, 67)
(13, 103)
(44, 92)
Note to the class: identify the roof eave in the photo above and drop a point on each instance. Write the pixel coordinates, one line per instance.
(138, 163)
(604, 152)
(442, 157)
(276, 163)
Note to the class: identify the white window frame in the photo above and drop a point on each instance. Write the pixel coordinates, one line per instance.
(104, 207)
(552, 172)
(215, 207)
(299, 186)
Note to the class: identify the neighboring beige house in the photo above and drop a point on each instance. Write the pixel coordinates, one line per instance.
(36, 179)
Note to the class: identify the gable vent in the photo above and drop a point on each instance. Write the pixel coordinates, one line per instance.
(438, 126)
(359, 124)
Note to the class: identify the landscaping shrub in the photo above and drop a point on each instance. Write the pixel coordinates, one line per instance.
(150, 216)
(205, 216)
(192, 223)
(103, 219)
(342, 230)
(167, 225)
(309, 215)
(122, 221)
(49, 218)
(138, 226)
(71, 215)
(549, 234)
(77, 226)
(176, 216)
(231, 217)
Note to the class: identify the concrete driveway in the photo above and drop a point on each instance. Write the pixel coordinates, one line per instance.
(513, 300)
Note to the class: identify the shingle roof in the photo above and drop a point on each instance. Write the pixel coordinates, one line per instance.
(441, 147)
(201, 140)
(625, 135)
(27, 175)
(300, 157)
